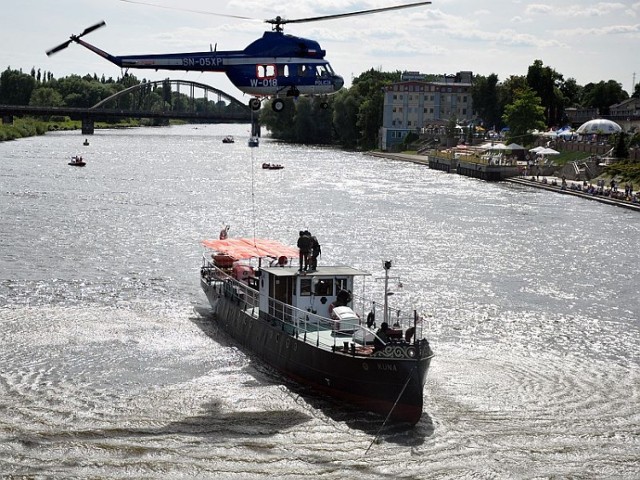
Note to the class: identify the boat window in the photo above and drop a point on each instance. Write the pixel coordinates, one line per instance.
(324, 287)
(305, 287)
(341, 284)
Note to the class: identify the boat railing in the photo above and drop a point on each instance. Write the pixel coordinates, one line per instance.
(303, 324)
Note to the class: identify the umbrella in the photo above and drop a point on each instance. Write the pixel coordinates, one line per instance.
(599, 125)
(565, 133)
(493, 146)
(537, 149)
(515, 146)
(547, 151)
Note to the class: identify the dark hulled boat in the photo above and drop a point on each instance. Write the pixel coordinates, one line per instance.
(304, 324)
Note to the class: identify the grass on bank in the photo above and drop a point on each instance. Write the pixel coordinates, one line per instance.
(30, 127)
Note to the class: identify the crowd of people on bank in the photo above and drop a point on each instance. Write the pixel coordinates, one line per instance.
(600, 188)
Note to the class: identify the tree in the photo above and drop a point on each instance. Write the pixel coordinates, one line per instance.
(485, 100)
(603, 94)
(525, 114)
(544, 82)
(369, 86)
(345, 118)
(16, 87)
(621, 150)
(46, 97)
(571, 92)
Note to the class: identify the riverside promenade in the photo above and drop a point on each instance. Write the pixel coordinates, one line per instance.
(549, 186)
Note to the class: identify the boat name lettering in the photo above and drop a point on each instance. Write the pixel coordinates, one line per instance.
(389, 367)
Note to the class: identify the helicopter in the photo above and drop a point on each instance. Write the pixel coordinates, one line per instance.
(274, 66)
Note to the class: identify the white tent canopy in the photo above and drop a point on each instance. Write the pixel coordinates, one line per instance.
(515, 146)
(547, 151)
(600, 126)
(493, 146)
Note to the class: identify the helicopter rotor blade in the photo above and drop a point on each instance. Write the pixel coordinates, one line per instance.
(204, 12)
(62, 46)
(281, 21)
(73, 38)
(92, 28)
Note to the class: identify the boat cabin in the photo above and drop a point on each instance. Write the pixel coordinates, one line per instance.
(318, 292)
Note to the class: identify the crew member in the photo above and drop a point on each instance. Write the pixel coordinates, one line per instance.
(304, 244)
(315, 252)
(381, 338)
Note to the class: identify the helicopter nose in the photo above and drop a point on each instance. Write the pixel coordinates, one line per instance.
(338, 82)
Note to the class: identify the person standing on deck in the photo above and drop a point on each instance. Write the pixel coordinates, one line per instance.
(304, 244)
(315, 252)
(224, 233)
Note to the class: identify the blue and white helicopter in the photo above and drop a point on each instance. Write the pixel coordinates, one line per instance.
(274, 66)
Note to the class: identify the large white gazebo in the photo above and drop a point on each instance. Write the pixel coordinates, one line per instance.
(600, 126)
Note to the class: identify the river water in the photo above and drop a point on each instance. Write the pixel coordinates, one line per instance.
(112, 367)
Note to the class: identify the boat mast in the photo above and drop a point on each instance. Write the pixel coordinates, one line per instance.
(387, 267)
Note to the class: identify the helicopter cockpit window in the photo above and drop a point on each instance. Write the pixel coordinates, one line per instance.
(323, 71)
(306, 71)
(265, 71)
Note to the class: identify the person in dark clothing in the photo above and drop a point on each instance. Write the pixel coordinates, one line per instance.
(304, 244)
(343, 298)
(381, 338)
(315, 252)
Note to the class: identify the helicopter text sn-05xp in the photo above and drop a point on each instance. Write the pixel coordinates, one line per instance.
(274, 66)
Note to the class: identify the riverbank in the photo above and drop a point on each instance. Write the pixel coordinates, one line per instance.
(548, 185)
(29, 127)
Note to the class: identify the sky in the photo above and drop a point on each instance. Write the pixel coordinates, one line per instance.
(590, 41)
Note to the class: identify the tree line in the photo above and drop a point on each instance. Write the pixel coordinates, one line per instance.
(43, 89)
(537, 100)
(353, 118)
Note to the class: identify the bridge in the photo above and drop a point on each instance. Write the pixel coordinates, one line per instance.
(161, 99)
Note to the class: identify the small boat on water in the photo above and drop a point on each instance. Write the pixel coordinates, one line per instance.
(305, 325)
(254, 142)
(86, 142)
(228, 139)
(272, 166)
(77, 161)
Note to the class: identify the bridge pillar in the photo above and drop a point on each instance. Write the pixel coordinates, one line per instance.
(7, 119)
(87, 126)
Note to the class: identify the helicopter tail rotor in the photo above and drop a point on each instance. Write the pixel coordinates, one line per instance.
(74, 38)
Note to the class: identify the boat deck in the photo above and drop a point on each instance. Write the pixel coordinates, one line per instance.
(326, 339)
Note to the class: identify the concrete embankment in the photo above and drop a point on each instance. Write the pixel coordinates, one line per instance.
(424, 160)
(481, 170)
